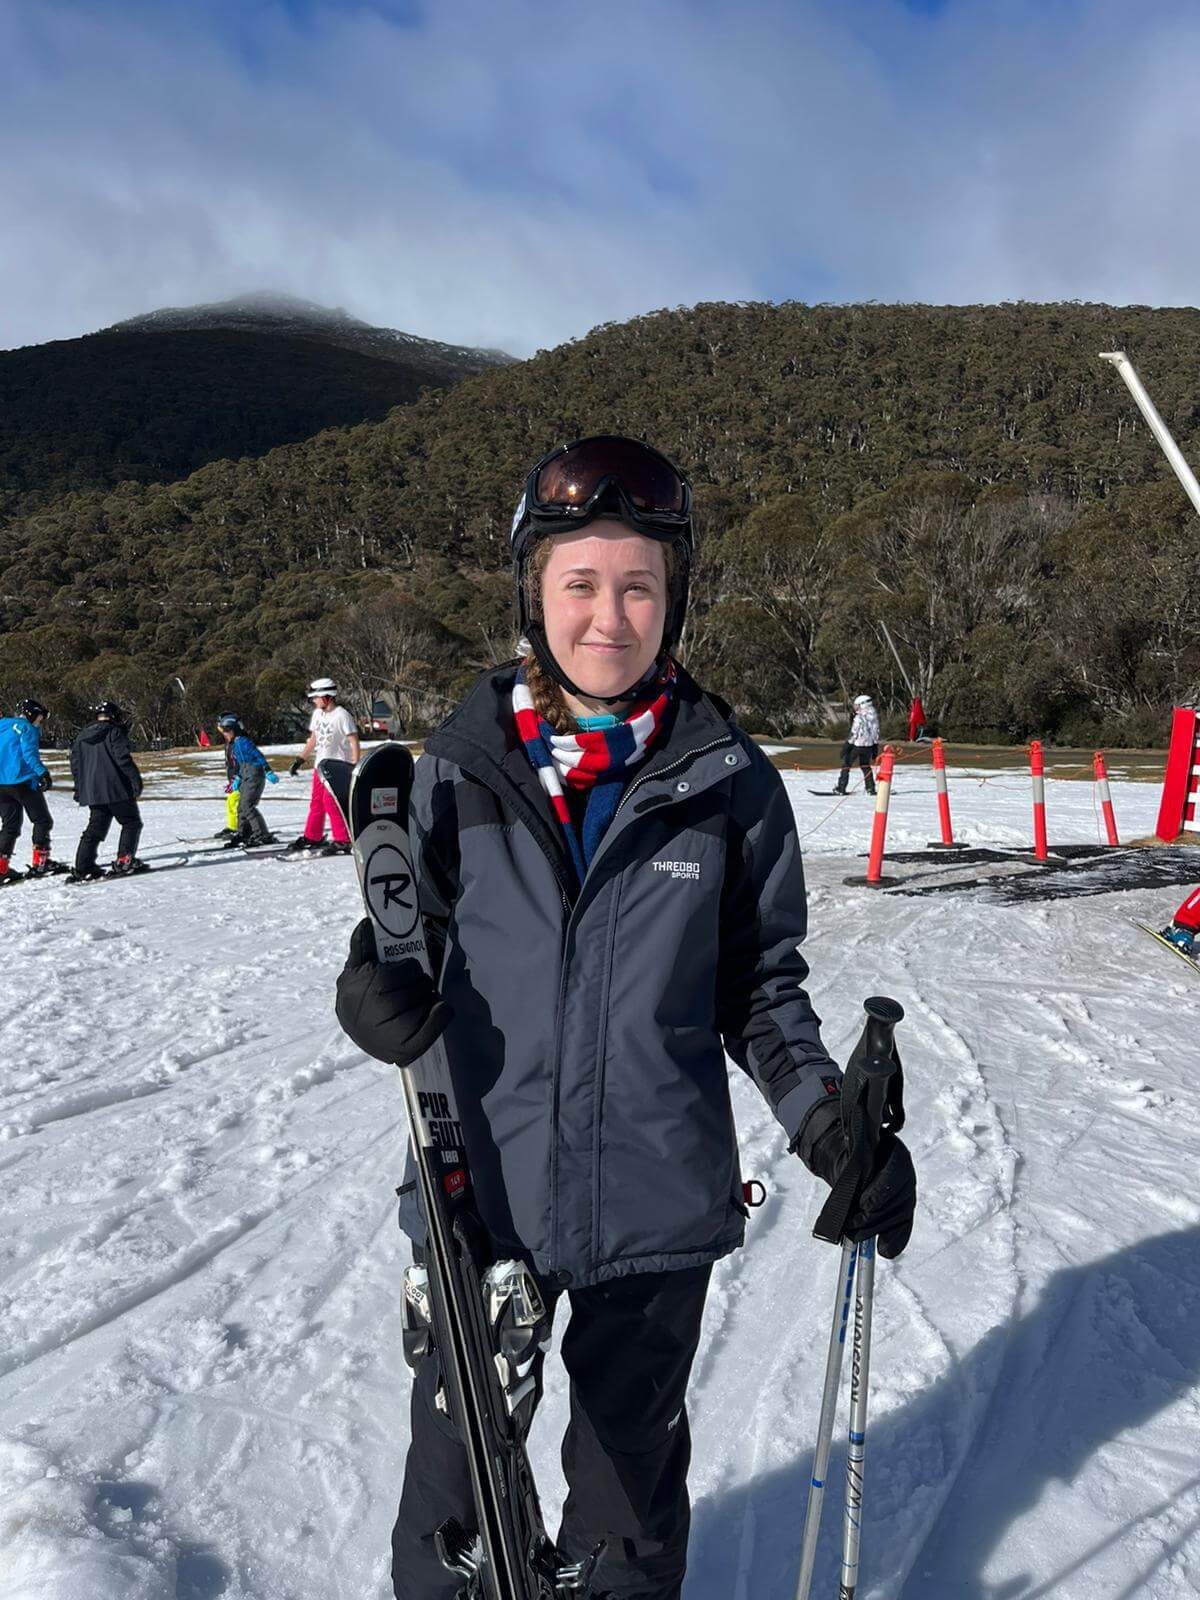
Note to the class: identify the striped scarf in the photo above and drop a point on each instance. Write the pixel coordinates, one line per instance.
(599, 761)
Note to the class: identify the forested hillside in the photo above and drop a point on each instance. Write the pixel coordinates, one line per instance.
(974, 477)
(155, 398)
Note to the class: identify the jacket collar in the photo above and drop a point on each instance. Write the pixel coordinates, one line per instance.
(480, 736)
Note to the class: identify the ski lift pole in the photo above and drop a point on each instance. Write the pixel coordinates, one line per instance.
(1155, 423)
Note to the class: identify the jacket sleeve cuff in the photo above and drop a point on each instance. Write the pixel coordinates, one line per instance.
(793, 1109)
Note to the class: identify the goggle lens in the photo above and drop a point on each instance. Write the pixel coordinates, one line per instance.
(649, 482)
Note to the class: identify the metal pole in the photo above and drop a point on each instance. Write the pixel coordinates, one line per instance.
(1155, 423)
(860, 1375)
(829, 1399)
(899, 663)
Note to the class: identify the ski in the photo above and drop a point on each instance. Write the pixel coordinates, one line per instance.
(1161, 939)
(486, 1318)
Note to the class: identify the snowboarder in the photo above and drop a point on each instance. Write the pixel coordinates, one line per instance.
(108, 782)
(862, 745)
(1183, 930)
(24, 778)
(252, 772)
(332, 736)
(611, 881)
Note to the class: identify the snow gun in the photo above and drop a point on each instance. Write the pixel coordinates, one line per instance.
(872, 1101)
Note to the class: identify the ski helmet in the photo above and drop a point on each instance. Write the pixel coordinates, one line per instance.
(31, 710)
(230, 721)
(321, 687)
(108, 709)
(601, 476)
(862, 700)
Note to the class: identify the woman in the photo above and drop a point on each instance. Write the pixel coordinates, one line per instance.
(613, 894)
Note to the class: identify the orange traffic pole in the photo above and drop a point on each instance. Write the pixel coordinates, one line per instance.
(1038, 773)
(946, 842)
(1106, 805)
(883, 795)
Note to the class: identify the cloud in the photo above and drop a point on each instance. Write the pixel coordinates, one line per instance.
(513, 174)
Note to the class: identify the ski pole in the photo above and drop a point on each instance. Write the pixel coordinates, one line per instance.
(856, 1447)
(829, 1399)
(871, 1103)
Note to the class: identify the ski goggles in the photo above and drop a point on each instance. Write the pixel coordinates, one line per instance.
(605, 474)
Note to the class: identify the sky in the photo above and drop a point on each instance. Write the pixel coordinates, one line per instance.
(510, 173)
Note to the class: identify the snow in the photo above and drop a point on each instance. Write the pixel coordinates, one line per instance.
(201, 1386)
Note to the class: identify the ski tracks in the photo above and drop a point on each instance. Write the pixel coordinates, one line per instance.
(199, 1247)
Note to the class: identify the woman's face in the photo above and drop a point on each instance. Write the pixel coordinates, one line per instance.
(604, 605)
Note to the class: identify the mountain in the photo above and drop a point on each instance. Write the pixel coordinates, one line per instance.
(152, 399)
(972, 476)
(269, 312)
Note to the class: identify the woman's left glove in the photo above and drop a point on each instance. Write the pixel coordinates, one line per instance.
(391, 1009)
(888, 1198)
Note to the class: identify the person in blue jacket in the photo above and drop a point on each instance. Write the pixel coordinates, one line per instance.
(253, 774)
(23, 781)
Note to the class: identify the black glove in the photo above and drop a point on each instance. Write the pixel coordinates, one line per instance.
(44, 781)
(887, 1199)
(391, 1009)
(295, 766)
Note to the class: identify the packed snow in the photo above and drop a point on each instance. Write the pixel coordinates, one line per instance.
(201, 1385)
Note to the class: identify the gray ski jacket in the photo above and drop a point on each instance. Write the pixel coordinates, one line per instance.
(591, 1024)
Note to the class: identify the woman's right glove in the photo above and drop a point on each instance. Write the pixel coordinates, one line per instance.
(295, 766)
(888, 1198)
(391, 1009)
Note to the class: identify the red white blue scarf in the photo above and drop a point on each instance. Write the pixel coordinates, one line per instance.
(599, 761)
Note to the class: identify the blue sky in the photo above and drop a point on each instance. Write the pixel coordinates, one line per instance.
(512, 172)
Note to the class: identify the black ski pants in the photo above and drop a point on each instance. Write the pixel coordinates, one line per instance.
(628, 1350)
(864, 754)
(100, 819)
(18, 797)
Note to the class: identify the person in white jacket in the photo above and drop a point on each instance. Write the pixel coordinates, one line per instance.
(863, 744)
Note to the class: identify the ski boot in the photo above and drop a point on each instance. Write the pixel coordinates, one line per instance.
(338, 847)
(127, 867)
(225, 833)
(303, 843)
(1183, 939)
(91, 875)
(261, 844)
(7, 875)
(43, 867)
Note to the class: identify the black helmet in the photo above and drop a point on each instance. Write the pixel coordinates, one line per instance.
(603, 475)
(230, 721)
(110, 710)
(31, 710)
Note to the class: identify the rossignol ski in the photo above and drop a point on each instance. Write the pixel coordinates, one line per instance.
(485, 1318)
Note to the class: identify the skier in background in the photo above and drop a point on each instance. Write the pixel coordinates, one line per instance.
(594, 1088)
(23, 780)
(252, 772)
(332, 736)
(916, 720)
(862, 746)
(230, 831)
(108, 782)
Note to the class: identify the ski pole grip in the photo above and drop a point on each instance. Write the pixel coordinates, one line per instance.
(872, 1103)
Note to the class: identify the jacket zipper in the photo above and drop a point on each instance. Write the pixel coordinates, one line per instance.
(662, 772)
(690, 755)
